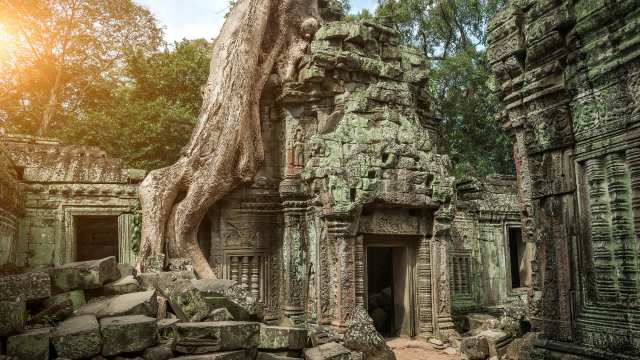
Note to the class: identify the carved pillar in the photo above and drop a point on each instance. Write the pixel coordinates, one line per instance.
(441, 297)
(344, 285)
(293, 250)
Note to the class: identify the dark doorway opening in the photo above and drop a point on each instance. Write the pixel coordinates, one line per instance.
(204, 237)
(96, 237)
(519, 266)
(380, 289)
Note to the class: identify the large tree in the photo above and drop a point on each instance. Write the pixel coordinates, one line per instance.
(60, 55)
(453, 35)
(147, 119)
(259, 38)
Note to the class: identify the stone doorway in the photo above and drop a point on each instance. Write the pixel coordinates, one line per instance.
(519, 262)
(96, 237)
(389, 286)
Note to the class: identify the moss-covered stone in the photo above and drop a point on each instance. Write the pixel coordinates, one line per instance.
(13, 315)
(84, 275)
(77, 337)
(205, 337)
(127, 334)
(282, 337)
(31, 345)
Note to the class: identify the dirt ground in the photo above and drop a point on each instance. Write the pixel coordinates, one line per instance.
(407, 349)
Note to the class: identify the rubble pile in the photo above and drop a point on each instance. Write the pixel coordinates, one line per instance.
(103, 310)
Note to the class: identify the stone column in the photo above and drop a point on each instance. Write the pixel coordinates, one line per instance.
(343, 243)
(441, 283)
(293, 250)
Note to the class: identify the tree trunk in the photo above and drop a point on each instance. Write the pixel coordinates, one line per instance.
(259, 37)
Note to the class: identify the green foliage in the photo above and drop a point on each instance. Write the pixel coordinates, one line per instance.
(61, 56)
(452, 34)
(147, 120)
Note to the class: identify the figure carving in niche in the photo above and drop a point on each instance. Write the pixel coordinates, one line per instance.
(295, 154)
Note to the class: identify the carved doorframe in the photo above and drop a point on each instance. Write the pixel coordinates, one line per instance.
(68, 244)
(408, 242)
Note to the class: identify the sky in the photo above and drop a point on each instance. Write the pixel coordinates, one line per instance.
(194, 19)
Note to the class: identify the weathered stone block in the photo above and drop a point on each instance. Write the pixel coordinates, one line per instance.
(330, 351)
(280, 337)
(480, 322)
(130, 333)
(271, 356)
(32, 345)
(139, 303)
(199, 338)
(125, 285)
(76, 297)
(187, 302)
(29, 286)
(228, 355)
(13, 314)
(163, 281)
(220, 314)
(475, 347)
(84, 275)
(226, 293)
(126, 270)
(77, 338)
(159, 352)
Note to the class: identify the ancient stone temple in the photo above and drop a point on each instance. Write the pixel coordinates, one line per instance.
(490, 261)
(569, 76)
(72, 203)
(354, 206)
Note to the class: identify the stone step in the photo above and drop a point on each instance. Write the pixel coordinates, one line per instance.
(208, 337)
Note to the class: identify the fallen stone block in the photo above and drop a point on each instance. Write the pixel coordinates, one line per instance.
(159, 352)
(76, 297)
(475, 347)
(29, 286)
(123, 334)
(77, 337)
(228, 294)
(330, 351)
(32, 345)
(13, 315)
(480, 322)
(166, 329)
(206, 337)
(54, 312)
(84, 275)
(279, 337)
(187, 302)
(220, 314)
(228, 355)
(271, 356)
(498, 341)
(125, 270)
(139, 303)
(126, 285)
(163, 281)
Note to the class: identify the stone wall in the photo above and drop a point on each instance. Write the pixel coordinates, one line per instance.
(569, 75)
(486, 211)
(61, 183)
(10, 207)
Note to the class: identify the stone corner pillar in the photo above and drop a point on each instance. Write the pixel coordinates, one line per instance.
(293, 249)
(441, 282)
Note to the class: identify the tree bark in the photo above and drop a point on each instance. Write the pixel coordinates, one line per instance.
(259, 37)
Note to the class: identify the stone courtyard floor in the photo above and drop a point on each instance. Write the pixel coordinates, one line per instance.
(407, 349)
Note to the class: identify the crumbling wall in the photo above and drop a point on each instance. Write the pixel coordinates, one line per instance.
(486, 210)
(569, 75)
(10, 207)
(59, 183)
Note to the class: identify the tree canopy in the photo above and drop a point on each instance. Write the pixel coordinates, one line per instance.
(453, 36)
(60, 56)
